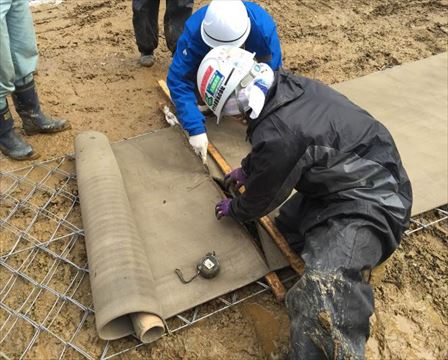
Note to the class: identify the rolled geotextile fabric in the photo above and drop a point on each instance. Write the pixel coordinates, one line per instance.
(120, 276)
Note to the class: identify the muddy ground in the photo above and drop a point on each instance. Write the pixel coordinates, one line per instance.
(88, 73)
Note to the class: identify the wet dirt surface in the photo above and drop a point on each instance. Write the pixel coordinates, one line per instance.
(88, 73)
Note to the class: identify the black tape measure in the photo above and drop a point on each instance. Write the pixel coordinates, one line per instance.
(208, 267)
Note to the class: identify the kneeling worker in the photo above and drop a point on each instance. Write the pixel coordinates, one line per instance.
(353, 198)
(18, 60)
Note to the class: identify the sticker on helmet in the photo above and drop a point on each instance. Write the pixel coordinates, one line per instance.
(204, 81)
(215, 82)
(212, 89)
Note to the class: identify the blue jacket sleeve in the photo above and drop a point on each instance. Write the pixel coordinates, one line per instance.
(263, 38)
(181, 81)
(276, 51)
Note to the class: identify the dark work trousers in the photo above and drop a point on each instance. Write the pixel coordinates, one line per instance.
(146, 26)
(329, 307)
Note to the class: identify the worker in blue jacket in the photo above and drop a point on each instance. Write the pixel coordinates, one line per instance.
(222, 22)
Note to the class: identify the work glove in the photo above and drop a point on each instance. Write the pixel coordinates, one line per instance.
(169, 116)
(237, 177)
(200, 144)
(222, 208)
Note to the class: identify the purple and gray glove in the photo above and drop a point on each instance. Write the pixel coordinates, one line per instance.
(222, 208)
(237, 177)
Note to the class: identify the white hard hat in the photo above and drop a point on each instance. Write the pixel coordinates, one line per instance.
(225, 23)
(221, 71)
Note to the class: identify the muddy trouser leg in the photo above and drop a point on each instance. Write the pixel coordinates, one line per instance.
(18, 50)
(177, 12)
(145, 14)
(330, 306)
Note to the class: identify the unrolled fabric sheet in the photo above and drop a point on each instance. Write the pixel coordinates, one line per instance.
(147, 203)
(148, 208)
(411, 101)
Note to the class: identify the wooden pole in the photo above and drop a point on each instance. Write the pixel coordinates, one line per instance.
(294, 260)
(271, 278)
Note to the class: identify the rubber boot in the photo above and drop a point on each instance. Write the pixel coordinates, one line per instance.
(34, 121)
(11, 144)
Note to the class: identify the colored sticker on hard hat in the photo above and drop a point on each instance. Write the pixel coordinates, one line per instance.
(204, 81)
(215, 88)
(209, 100)
(215, 82)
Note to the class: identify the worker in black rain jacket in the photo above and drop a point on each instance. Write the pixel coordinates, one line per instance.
(352, 201)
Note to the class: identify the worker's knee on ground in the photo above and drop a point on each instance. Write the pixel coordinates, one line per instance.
(329, 314)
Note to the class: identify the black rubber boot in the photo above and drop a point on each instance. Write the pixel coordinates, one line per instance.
(11, 144)
(34, 121)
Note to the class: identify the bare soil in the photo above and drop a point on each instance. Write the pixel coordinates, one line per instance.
(88, 74)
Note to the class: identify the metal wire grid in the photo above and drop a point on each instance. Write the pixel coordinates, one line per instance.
(420, 222)
(45, 300)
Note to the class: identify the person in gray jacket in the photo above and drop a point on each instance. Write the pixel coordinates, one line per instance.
(18, 61)
(352, 202)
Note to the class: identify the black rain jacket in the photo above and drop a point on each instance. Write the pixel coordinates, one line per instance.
(313, 139)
